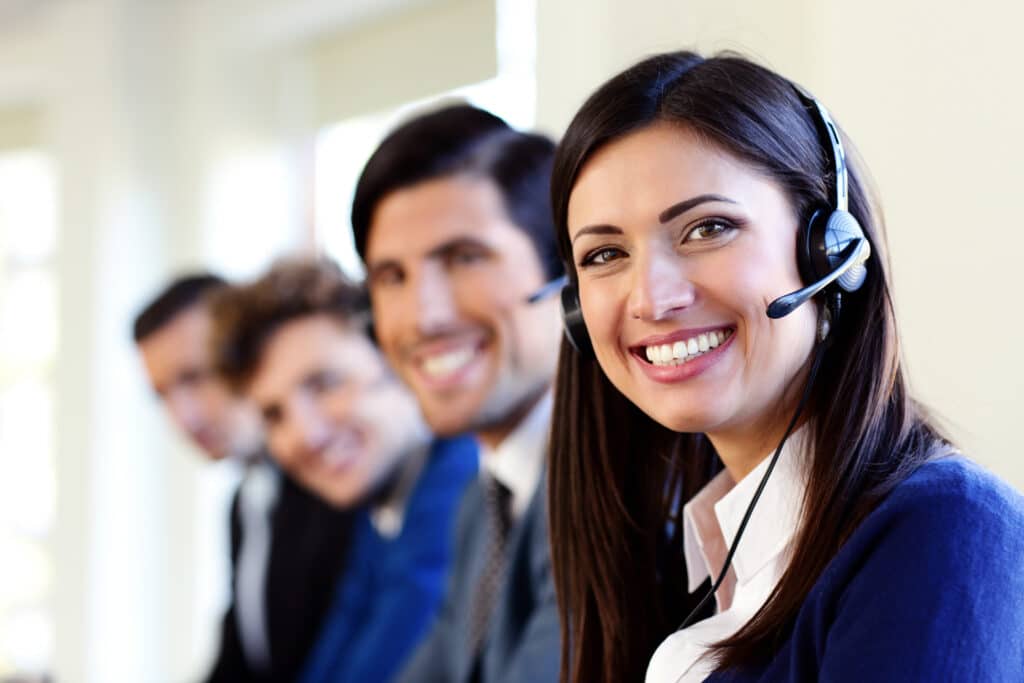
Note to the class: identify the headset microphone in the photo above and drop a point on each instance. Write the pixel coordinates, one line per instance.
(549, 288)
(854, 255)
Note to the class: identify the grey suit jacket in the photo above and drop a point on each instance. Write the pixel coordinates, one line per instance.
(523, 643)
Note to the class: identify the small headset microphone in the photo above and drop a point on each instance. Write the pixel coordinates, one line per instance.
(856, 253)
(550, 288)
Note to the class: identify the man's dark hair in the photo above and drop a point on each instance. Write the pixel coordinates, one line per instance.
(457, 140)
(182, 293)
(245, 316)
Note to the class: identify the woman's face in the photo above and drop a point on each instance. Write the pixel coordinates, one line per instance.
(679, 248)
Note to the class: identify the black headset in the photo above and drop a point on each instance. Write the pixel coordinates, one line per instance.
(831, 248)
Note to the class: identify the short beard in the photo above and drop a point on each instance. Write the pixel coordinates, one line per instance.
(502, 414)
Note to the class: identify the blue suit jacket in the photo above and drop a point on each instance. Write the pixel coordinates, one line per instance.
(930, 587)
(523, 644)
(392, 588)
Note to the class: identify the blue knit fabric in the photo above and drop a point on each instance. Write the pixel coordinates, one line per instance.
(392, 588)
(930, 587)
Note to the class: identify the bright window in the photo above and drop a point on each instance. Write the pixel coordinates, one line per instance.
(344, 148)
(28, 347)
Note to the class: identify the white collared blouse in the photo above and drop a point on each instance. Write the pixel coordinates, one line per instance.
(710, 521)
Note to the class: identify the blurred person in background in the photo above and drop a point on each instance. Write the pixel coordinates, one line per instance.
(296, 343)
(286, 546)
(452, 218)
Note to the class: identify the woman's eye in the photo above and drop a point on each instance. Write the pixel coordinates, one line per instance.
(602, 256)
(707, 231)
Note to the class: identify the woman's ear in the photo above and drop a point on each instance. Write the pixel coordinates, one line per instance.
(824, 322)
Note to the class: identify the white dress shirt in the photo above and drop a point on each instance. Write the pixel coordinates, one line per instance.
(256, 500)
(388, 515)
(518, 462)
(710, 521)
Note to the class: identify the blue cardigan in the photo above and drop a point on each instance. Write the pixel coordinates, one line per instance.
(392, 588)
(930, 587)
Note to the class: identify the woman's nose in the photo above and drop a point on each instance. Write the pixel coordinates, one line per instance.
(661, 286)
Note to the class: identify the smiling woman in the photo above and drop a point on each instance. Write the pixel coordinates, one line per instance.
(691, 196)
(661, 272)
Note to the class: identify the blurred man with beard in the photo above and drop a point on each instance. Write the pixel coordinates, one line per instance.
(452, 218)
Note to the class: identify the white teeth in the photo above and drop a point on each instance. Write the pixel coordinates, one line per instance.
(447, 363)
(683, 351)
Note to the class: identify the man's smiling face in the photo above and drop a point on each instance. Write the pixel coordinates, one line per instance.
(449, 274)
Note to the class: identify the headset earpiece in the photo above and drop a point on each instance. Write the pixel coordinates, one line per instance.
(832, 249)
(572, 320)
(822, 243)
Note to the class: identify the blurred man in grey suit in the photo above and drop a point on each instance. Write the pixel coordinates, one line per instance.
(452, 218)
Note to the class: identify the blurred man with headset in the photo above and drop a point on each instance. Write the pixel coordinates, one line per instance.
(452, 219)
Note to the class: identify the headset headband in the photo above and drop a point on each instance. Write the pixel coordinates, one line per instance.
(830, 141)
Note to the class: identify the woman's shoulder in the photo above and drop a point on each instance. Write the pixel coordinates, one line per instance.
(925, 588)
(954, 483)
(948, 509)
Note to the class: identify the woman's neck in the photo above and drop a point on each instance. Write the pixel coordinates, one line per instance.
(743, 449)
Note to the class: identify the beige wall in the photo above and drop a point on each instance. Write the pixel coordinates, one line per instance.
(930, 92)
(397, 59)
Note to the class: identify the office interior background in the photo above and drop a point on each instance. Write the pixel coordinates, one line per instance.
(141, 138)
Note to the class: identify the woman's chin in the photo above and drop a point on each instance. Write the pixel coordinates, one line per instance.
(684, 421)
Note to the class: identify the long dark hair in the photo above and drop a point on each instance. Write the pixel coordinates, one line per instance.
(617, 477)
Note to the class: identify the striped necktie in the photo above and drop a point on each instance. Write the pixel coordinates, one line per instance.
(498, 500)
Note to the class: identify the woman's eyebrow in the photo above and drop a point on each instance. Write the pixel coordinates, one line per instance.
(597, 230)
(664, 217)
(684, 206)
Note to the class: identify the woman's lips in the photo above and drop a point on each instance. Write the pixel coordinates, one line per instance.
(685, 357)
